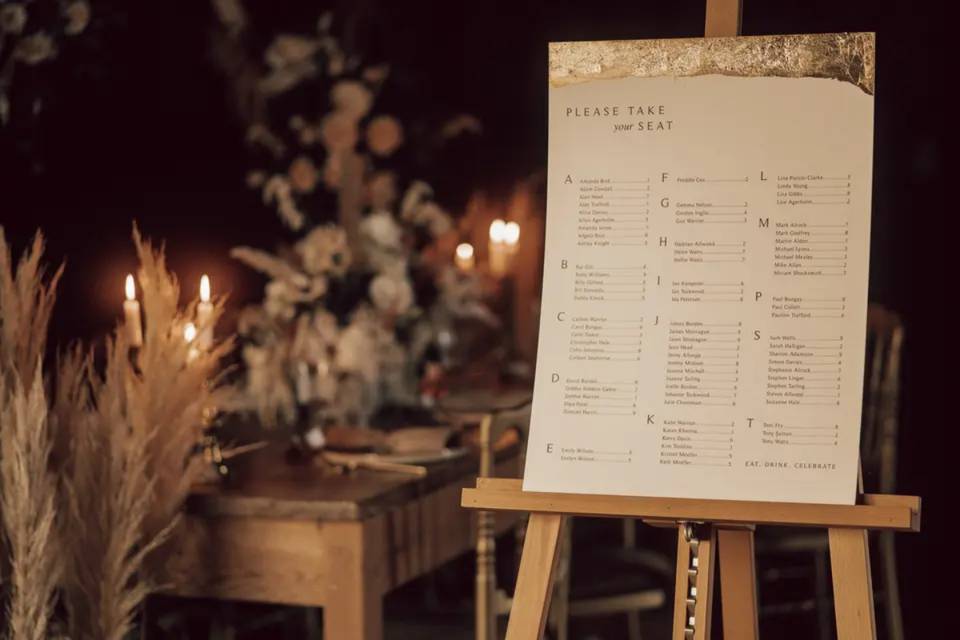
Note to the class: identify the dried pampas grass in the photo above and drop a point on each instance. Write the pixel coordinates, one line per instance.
(30, 562)
(28, 502)
(176, 390)
(134, 454)
(26, 302)
(108, 501)
(125, 442)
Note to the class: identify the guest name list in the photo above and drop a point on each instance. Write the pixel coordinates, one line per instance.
(704, 300)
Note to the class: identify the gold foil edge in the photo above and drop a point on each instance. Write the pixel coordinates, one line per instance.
(848, 57)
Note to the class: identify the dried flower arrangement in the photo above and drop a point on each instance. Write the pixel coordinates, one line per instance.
(363, 307)
(92, 482)
(31, 34)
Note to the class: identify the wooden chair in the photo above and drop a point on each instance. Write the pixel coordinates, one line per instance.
(635, 580)
(496, 413)
(878, 460)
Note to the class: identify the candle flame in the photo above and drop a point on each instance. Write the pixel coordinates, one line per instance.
(190, 332)
(511, 233)
(204, 288)
(464, 250)
(498, 230)
(130, 288)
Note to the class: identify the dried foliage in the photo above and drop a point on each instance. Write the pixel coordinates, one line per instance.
(108, 501)
(123, 440)
(169, 400)
(28, 501)
(133, 454)
(26, 302)
(30, 561)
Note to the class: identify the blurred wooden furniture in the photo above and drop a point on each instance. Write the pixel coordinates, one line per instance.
(497, 412)
(633, 579)
(297, 535)
(701, 525)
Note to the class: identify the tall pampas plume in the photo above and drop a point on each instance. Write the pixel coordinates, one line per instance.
(26, 302)
(177, 388)
(134, 454)
(30, 561)
(28, 502)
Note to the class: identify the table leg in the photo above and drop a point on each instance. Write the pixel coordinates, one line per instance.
(354, 615)
(852, 584)
(353, 608)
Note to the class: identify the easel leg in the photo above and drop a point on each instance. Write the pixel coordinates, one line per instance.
(738, 583)
(531, 599)
(852, 584)
(693, 595)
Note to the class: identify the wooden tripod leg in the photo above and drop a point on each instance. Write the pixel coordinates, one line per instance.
(738, 583)
(531, 599)
(693, 594)
(852, 584)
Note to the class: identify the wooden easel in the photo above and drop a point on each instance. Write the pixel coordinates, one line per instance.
(707, 530)
(703, 528)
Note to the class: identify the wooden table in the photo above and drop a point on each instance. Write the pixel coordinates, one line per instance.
(297, 535)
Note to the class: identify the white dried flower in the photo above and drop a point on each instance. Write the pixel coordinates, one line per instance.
(325, 325)
(352, 98)
(286, 78)
(384, 135)
(357, 351)
(391, 293)
(325, 251)
(417, 193)
(280, 300)
(35, 48)
(382, 230)
(279, 190)
(289, 49)
(13, 17)
(78, 17)
(259, 134)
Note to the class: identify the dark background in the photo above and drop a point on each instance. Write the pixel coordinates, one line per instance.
(136, 125)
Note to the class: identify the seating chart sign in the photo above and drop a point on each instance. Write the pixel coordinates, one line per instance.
(705, 282)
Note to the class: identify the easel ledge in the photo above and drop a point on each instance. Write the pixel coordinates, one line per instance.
(875, 511)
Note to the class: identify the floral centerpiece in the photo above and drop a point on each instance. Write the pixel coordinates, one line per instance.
(360, 310)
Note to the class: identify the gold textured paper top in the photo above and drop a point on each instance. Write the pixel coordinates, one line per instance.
(848, 57)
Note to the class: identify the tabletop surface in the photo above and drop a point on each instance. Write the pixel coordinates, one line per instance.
(265, 484)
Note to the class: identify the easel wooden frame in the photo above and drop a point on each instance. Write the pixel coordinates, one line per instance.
(708, 531)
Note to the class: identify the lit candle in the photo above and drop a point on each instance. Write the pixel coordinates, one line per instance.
(464, 258)
(498, 250)
(189, 335)
(511, 237)
(131, 313)
(205, 315)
